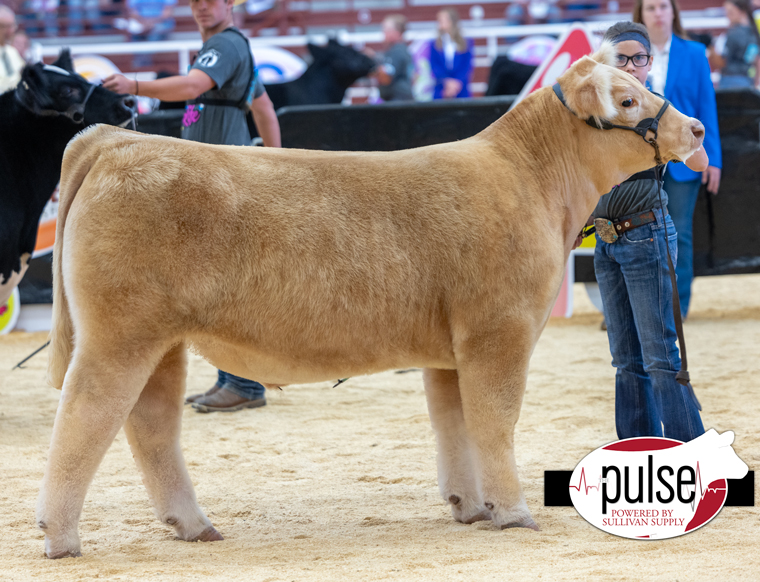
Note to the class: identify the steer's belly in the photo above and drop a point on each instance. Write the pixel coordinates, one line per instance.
(281, 369)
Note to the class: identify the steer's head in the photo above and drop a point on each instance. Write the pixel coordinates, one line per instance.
(593, 89)
(345, 62)
(55, 90)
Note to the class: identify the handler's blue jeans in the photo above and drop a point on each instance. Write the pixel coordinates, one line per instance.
(637, 296)
(682, 199)
(241, 386)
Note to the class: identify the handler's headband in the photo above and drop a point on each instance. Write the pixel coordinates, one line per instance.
(633, 35)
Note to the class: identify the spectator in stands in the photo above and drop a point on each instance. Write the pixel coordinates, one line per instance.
(43, 17)
(155, 17)
(396, 68)
(11, 62)
(450, 58)
(738, 49)
(688, 86)
(78, 9)
(220, 88)
(30, 50)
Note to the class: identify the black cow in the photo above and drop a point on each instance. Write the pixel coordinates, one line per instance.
(507, 77)
(335, 68)
(37, 119)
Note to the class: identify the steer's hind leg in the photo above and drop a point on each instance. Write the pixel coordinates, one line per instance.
(492, 377)
(153, 429)
(457, 469)
(101, 387)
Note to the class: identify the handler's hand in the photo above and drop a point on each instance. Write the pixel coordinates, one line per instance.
(578, 241)
(119, 84)
(711, 177)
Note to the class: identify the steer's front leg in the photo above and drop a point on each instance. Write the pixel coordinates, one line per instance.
(492, 377)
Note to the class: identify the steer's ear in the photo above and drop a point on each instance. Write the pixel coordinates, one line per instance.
(28, 87)
(587, 87)
(605, 54)
(64, 61)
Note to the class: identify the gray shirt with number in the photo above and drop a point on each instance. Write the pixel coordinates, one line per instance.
(226, 58)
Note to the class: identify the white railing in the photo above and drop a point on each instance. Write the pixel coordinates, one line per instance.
(491, 34)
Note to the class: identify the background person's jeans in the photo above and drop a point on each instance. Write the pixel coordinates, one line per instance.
(637, 296)
(243, 387)
(682, 199)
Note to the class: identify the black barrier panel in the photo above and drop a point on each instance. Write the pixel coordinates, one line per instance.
(163, 122)
(390, 126)
(727, 226)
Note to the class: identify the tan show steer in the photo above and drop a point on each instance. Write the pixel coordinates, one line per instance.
(295, 266)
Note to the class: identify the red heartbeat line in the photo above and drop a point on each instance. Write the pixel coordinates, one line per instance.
(582, 483)
(703, 492)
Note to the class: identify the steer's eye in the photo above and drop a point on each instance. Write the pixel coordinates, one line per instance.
(68, 92)
(627, 103)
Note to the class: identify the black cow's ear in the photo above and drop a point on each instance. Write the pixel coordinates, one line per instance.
(316, 50)
(26, 88)
(64, 61)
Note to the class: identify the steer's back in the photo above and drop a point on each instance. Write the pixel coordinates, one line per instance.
(369, 257)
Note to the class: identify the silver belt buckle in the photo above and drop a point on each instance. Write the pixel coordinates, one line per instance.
(605, 230)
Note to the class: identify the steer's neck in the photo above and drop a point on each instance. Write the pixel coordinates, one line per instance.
(572, 163)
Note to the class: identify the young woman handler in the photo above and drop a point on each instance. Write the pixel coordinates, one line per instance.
(634, 281)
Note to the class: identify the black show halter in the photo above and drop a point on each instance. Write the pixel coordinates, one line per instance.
(642, 129)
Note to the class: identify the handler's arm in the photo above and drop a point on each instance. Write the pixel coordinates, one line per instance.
(698, 160)
(266, 122)
(177, 88)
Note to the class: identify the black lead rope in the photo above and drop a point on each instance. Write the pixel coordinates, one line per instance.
(643, 128)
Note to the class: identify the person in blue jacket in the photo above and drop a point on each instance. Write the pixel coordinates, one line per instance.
(688, 86)
(450, 58)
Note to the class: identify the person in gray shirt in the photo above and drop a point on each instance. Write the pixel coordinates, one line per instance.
(395, 65)
(220, 88)
(740, 53)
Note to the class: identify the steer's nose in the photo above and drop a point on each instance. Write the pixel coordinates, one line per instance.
(697, 129)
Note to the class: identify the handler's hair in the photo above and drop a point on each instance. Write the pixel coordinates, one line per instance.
(638, 12)
(619, 28)
(398, 21)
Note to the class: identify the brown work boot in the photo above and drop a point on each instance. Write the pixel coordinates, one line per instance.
(196, 397)
(224, 400)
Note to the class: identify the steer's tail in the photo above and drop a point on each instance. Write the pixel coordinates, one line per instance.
(80, 156)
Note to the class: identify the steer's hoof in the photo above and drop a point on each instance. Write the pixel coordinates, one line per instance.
(64, 554)
(208, 535)
(467, 511)
(529, 523)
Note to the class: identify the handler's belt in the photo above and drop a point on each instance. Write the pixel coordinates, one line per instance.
(610, 230)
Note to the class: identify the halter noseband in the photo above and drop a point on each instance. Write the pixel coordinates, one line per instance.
(642, 128)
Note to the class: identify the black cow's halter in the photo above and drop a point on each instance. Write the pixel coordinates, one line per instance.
(642, 129)
(75, 112)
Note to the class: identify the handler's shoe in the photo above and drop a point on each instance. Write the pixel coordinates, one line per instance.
(224, 400)
(196, 397)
